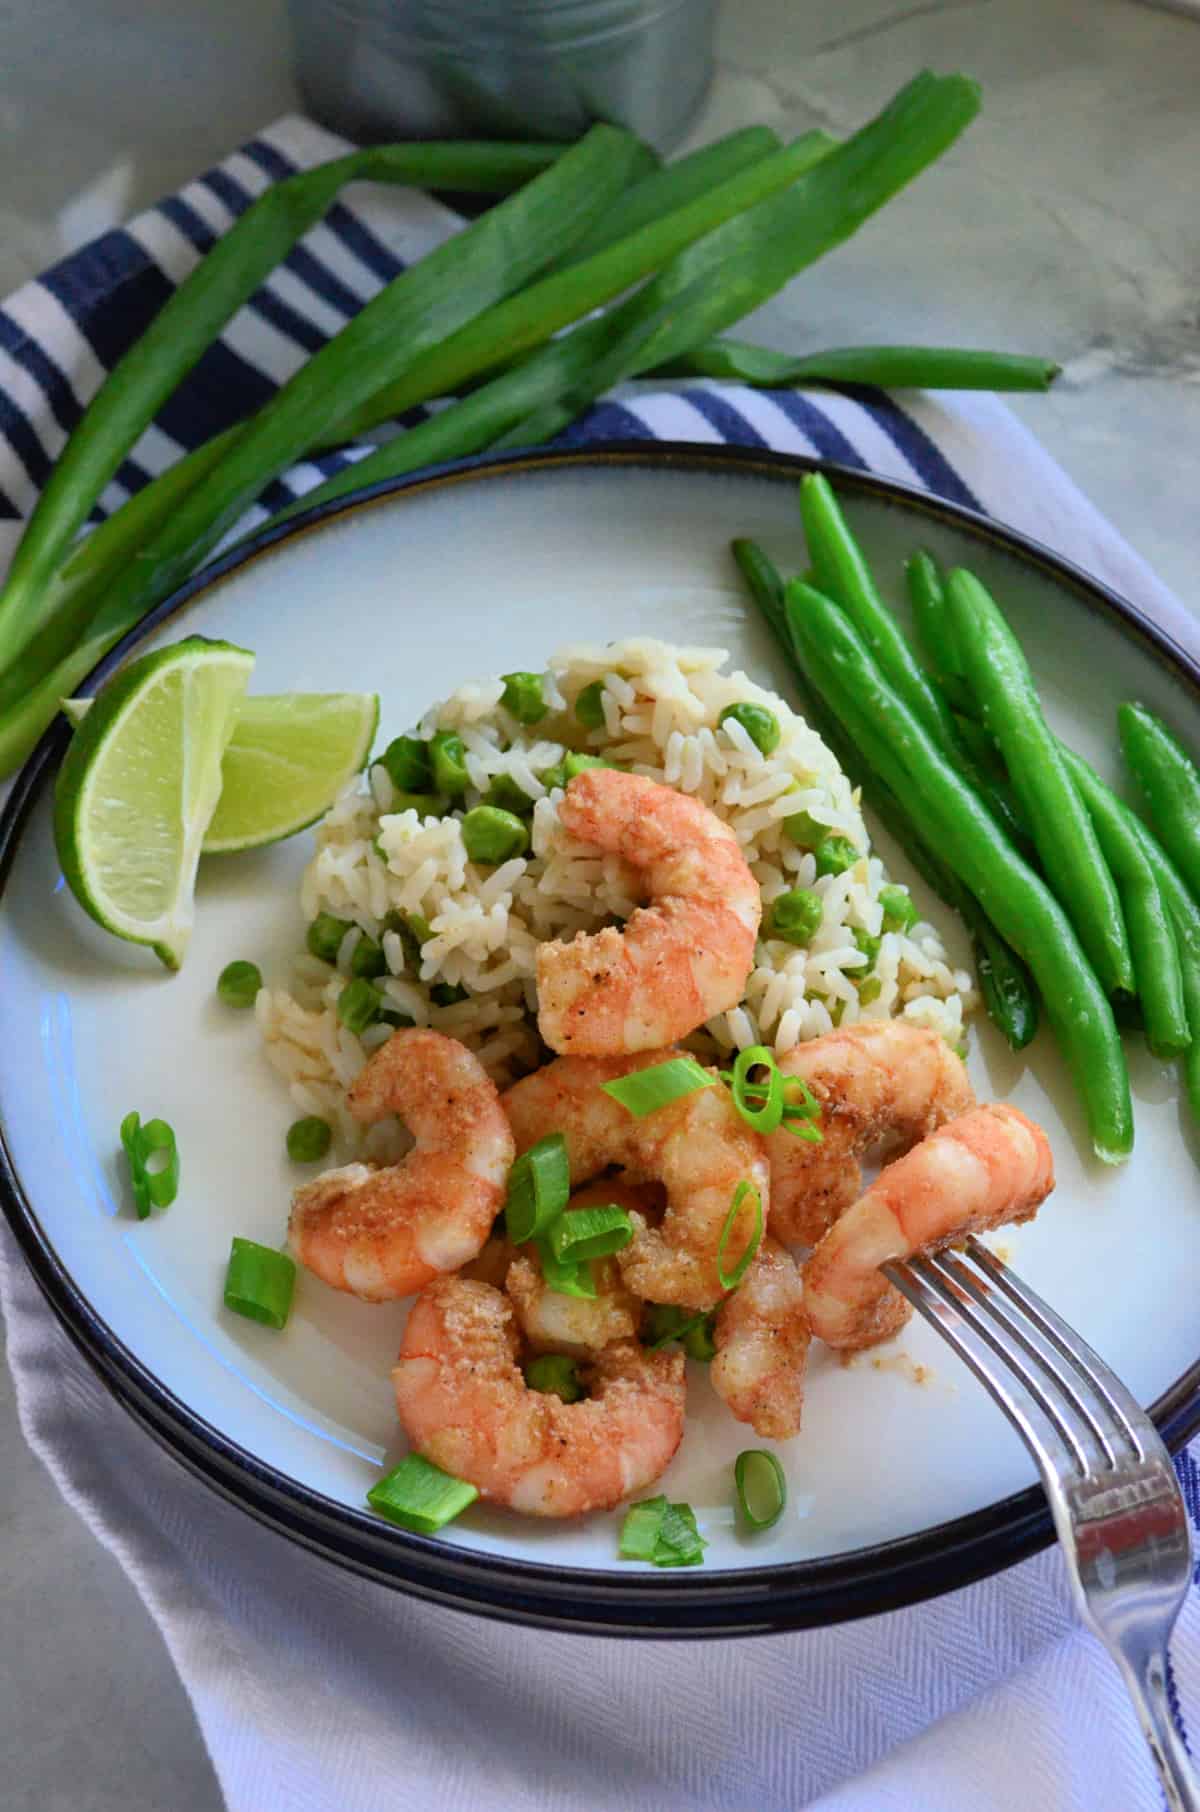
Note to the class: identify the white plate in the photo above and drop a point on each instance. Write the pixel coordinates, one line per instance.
(409, 595)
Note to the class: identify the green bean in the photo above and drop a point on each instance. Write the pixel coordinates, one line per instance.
(1170, 783)
(1015, 899)
(190, 320)
(1012, 1002)
(1152, 942)
(843, 575)
(928, 599)
(887, 367)
(999, 676)
(1185, 916)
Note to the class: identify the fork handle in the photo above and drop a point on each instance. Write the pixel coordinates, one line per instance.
(1147, 1683)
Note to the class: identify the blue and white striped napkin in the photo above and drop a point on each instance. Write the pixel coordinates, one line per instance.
(317, 1692)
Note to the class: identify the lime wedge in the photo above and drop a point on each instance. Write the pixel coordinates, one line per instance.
(288, 759)
(139, 785)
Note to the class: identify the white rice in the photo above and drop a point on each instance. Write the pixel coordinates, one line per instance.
(662, 706)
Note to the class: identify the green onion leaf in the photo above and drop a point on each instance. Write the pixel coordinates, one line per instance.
(584, 1233)
(420, 1496)
(565, 1276)
(556, 1376)
(260, 1283)
(761, 1487)
(767, 1117)
(640, 1529)
(667, 1323)
(734, 1277)
(645, 1091)
(680, 1543)
(155, 1188)
(539, 1188)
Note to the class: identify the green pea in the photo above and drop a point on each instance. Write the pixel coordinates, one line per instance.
(426, 805)
(577, 764)
(447, 759)
(406, 759)
(389, 1017)
(795, 916)
(760, 725)
(804, 830)
(870, 947)
(447, 994)
(368, 958)
(553, 777)
(492, 836)
(698, 1342)
(836, 1011)
(359, 1005)
(510, 797)
(556, 1375)
(238, 983)
(325, 936)
(523, 696)
(589, 706)
(899, 911)
(869, 989)
(835, 855)
(308, 1139)
(413, 931)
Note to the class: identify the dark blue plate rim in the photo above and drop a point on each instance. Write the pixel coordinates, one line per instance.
(733, 1602)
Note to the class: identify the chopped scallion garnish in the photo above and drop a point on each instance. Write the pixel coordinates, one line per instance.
(568, 1277)
(539, 1187)
(420, 1496)
(583, 1233)
(734, 1277)
(639, 1531)
(768, 1114)
(761, 1487)
(693, 1332)
(644, 1091)
(555, 1375)
(260, 1283)
(665, 1534)
(155, 1188)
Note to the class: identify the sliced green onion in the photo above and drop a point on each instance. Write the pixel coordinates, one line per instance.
(523, 696)
(260, 1283)
(589, 706)
(680, 1543)
(238, 984)
(155, 1188)
(734, 1277)
(645, 1091)
(556, 1376)
(584, 1233)
(640, 1529)
(325, 936)
(565, 1276)
(539, 1188)
(308, 1139)
(767, 1118)
(420, 1496)
(761, 1487)
(667, 1323)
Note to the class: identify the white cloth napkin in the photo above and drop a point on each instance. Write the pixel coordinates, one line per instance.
(317, 1692)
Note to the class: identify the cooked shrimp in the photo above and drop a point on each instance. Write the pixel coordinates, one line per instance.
(762, 1337)
(677, 961)
(385, 1233)
(555, 1323)
(466, 1406)
(989, 1166)
(872, 1081)
(698, 1147)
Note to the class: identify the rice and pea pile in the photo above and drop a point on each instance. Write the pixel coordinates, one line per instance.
(452, 944)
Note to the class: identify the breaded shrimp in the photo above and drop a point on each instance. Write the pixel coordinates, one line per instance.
(385, 1233)
(872, 1081)
(465, 1405)
(698, 1147)
(678, 960)
(552, 1322)
(762, 1339)
(989, 1166)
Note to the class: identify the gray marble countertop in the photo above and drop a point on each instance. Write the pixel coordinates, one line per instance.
(1063, 224)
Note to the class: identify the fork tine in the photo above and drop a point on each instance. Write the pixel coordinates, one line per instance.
(1125, 1407)
(1045, 1353)
(1057, 1452)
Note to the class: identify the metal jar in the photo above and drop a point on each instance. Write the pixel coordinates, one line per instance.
(381, 69)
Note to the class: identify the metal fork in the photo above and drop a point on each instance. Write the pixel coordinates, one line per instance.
(1112, 1489)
